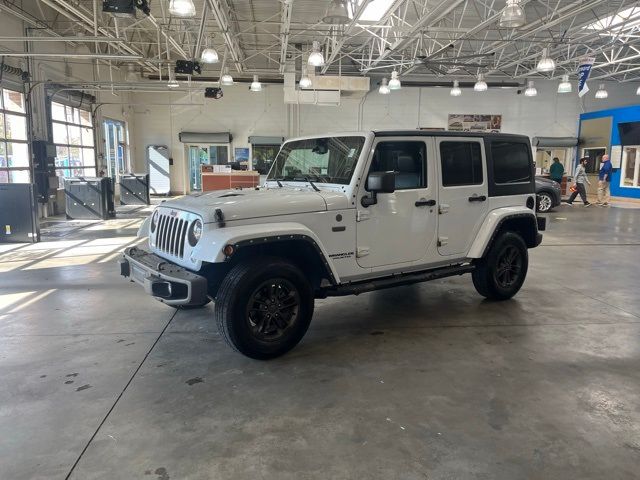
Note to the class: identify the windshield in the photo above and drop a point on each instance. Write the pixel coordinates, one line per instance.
(325, 160)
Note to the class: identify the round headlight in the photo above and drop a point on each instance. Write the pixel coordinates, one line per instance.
(195, 232)
(154, 221)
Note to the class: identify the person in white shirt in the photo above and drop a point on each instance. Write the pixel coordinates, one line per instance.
(580, 178)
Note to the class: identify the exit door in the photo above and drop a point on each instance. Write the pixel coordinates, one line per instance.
(204, 155)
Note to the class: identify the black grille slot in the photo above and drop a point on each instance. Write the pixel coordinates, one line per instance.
(170, 236)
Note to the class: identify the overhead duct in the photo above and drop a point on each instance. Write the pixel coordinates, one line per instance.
(554, 142)
(326, 89)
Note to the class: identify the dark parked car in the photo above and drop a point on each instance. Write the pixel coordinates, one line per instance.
(547, 194)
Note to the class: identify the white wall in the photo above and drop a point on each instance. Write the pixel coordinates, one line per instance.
(159, 117)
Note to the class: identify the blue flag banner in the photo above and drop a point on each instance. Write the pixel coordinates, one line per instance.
(583, 75)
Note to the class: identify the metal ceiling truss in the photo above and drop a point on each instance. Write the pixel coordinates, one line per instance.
(421, 38)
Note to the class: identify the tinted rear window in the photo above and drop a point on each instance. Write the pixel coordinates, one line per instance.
(461, 163)
(510, 162)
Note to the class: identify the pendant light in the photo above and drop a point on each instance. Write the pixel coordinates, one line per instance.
(602, 92)
(172, 79)
(316, 59)
(531, 90)
(481, 85)
(256, 86)
(226, 79)
(565, 85)
(384, 87)
(455, 91)
(394, 83)
(305, 81)
(209, 54)
(546, 63)
(512, 15)
(182, 8)
(336, 13)
(638, 91)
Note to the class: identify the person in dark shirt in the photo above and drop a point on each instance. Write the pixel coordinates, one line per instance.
(604, 182)
(556, 171)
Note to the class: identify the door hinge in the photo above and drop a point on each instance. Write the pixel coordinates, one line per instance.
(362, 215)
(442, 241)
(443, 208)
(362, 252)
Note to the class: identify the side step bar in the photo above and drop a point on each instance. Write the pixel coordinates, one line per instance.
(357, 288)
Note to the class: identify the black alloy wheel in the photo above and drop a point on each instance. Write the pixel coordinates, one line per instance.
(273, 308)
(509, 266)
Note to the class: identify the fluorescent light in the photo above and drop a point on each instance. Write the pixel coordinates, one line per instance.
(394, 83)
(531, 90)
(209, 55)
(226, 79)
(565, 85)
(384, 87)
(256, 86)
(546, 64)
(182, 8)
(481, 85)
(602, 92)
(513, 15)
(455, 91)
(316, 59)
(375, 10)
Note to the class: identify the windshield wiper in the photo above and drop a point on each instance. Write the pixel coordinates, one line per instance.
(306, 179)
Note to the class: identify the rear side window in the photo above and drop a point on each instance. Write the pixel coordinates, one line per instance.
(461, 163)
(510, 162)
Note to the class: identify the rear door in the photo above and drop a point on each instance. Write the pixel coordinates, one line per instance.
(462, 193)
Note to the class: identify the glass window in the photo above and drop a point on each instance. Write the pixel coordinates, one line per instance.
(73, 136)
(116, 148)
(407, 159)
(263, 157)
(14, 149)
(461, 163)
(324, 160)
(510, 162)
(630, 167)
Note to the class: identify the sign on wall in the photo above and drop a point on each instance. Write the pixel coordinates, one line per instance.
(241, 154)
(474, 123)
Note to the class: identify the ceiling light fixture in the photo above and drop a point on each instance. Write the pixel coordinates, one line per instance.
(638, 91)
(226, 79)
(256, 86)
(456, 91)
(305, 81)
(394, 83)
(336, 13)
(182, 8)
(531, 90)
(481, 85)
(384, 87)
(565, 86)
(316, 59)
(513, 15)
(209, 55)
(546, 63)
(602, 92)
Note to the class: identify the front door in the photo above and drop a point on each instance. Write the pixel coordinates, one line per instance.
(463, 193)
(401, 226)
(204, 155)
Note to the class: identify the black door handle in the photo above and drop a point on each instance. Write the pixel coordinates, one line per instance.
(425, 203)
(477, 198)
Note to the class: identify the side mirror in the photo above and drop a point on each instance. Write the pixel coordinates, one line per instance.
(379, 182)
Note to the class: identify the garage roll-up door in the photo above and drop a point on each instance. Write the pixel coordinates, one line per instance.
(554, 142)
(262, 140)
(205, 137)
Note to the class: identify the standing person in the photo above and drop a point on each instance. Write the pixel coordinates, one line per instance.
(556, 171)
(604, 182)
(580, 178)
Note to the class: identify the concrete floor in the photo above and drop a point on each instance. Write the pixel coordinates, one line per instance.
(97, 380)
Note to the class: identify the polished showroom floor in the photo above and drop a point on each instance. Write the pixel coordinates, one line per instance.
(97, 380)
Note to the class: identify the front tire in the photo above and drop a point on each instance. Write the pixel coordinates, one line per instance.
(545, 202)
(500, 275)
(264, 307)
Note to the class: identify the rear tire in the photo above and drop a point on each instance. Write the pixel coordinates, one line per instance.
(264, 307)
(501, 273)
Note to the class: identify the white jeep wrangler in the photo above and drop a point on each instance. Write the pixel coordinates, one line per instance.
(344, 214)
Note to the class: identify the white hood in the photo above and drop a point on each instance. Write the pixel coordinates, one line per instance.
(249, 203)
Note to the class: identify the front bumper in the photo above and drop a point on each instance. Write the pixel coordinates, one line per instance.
(163, 280)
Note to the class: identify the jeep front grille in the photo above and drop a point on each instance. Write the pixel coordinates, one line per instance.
(171, 234)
